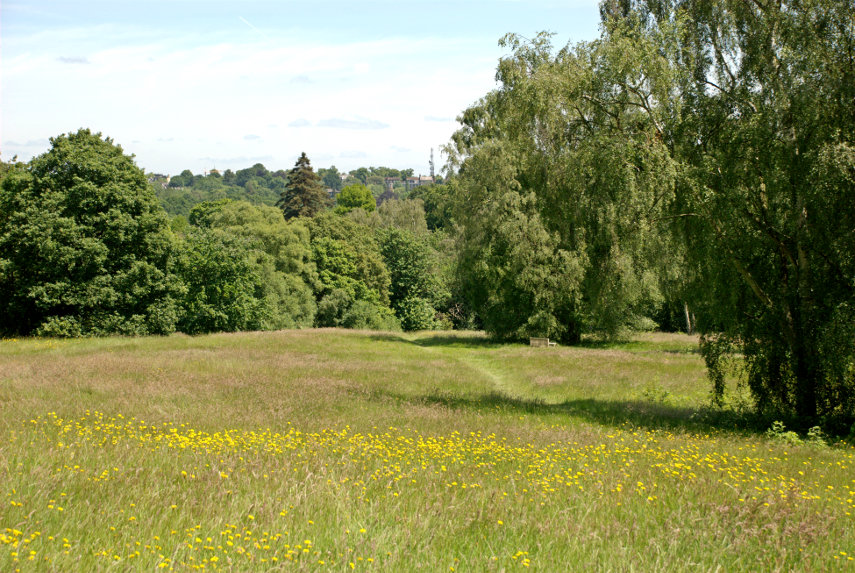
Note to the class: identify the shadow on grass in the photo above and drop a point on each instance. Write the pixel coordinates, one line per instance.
(442, 340)
(638, 346)
(643, 414)
(618, 413)
(475, 342)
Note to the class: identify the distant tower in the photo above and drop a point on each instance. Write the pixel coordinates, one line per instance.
(431, 163)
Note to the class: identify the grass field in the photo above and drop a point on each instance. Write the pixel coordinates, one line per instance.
(328, 450)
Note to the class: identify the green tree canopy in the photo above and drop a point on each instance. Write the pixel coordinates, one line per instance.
(303, 196)
(331, 177)
(84, 246)
(766, 135)
(356, 196)
(416, 291)
(348, 257)
(291, 276)
(562, 174)
(226, 290)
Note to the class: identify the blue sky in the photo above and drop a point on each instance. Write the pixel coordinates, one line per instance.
(198, 84)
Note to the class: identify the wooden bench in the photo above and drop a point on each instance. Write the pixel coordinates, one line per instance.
(540, 342)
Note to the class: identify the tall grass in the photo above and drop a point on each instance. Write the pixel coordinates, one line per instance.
(337, 450)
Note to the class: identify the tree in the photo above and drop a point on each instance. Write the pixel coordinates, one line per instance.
(287, 271)
(563, 173)
(331, 178)
(733, 122)
(361, 174)
(303, 196)
(406, 214)
(355, 196)
(353, 285)
(84, 246)
(348, 257)
(185, 179)
(438, 204)
(225, 287)
(413, 273)
(766, 135)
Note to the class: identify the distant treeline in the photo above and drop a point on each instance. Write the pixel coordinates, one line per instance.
(259, 186)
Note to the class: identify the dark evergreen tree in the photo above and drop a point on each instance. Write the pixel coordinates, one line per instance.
(304, 195)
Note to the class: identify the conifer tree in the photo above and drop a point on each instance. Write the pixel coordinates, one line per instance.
(304, 196)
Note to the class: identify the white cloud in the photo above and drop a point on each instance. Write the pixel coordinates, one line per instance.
(188, 103)
(358, 123)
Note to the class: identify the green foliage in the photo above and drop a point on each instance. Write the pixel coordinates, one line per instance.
(765, 134)
(225, 287)
(416, 313)
(331, 178)
(201, 214)
(438, 201)
(84, 247)
(348, 257)
(563, 180)
(303, 195)
(406, 214)
(416, 291)
(355, 196)
(255, 184)
(779, 432)
(514, 273)
(730, 122)
(814, 437)
(286, 268)
(341, 308)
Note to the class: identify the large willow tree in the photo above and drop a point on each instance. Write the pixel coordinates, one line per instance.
(766, 137)
(566, 178)
(731, 120)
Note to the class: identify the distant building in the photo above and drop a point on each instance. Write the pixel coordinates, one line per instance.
(390, 182)
(159, 179)
(419, 181)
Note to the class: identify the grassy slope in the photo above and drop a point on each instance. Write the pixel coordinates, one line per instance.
(436, 451)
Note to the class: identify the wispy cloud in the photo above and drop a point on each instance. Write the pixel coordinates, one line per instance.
(73, 60)
(360, 123)
(42, 142)
(239, 161)
(159, 89)
(248, 23)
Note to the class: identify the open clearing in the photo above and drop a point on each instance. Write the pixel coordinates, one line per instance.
(338, 450)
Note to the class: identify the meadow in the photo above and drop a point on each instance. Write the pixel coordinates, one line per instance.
(330, 450)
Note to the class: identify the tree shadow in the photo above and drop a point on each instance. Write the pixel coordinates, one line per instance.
(645, 414)
(635, 346)
(615, 413)
(441, 340)
(450, 341)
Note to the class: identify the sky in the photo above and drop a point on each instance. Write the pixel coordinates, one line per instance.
(203, 84)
